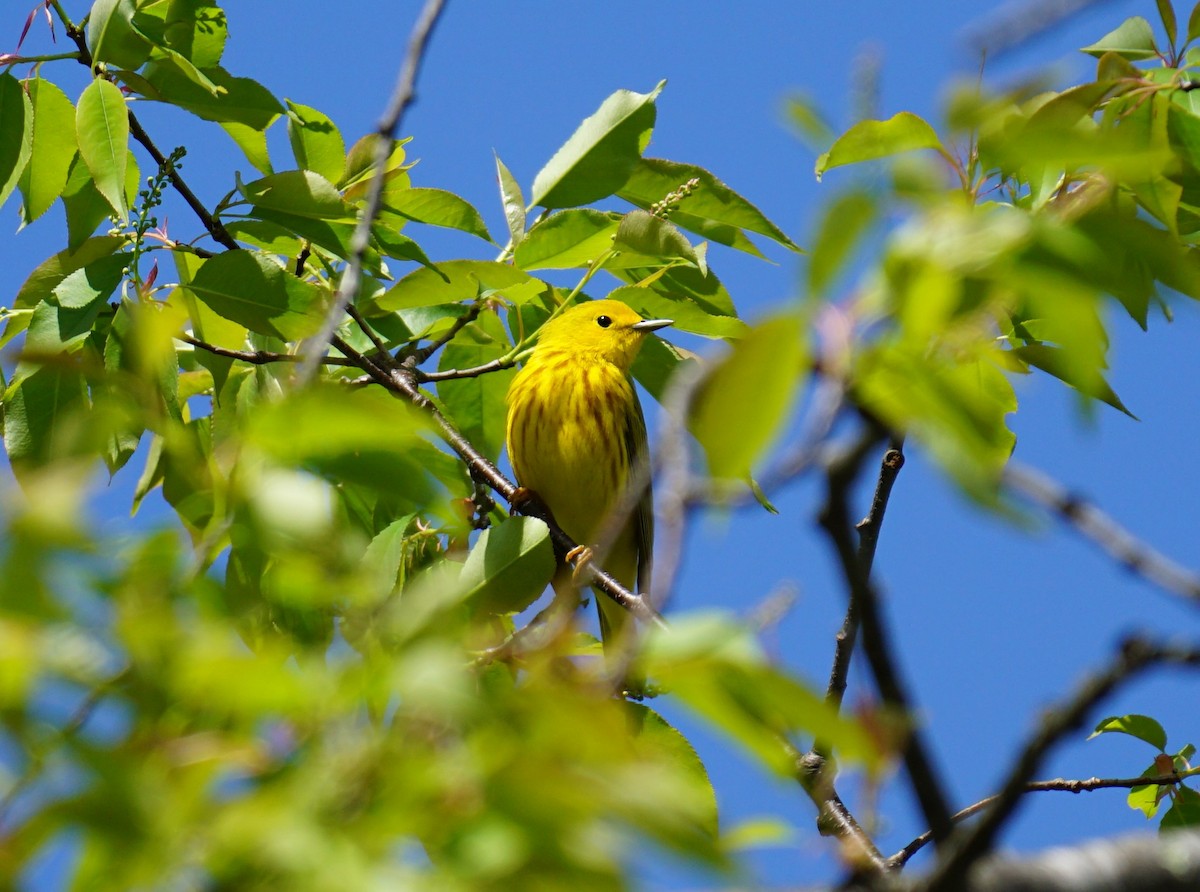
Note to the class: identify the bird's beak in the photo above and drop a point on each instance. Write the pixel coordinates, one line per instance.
(652, 324)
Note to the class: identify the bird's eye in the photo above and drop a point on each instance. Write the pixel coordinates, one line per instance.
(603, 321)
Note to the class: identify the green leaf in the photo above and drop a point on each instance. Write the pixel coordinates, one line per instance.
(1057, 362)
(437, 208)
(197, 30)
(254, 290)
(654, 736)
(1133, 39)
(868, 140)
(1166, 12)
(316, 142)
(745, 399)
(1184, 812)
(512, 201)
(253, 144)
(53, 148)
(102, 127)
(957, 406)
(1143, 727)
(112, 37)
(55, 330)
(16, 136)
(466, 279)
(655, 364)
(95, 282)
(643, 233)
(601, 154)
(845, 221)
(687, 315)
(476, 405)
(239, 100)
(49, 273)
(300, 193)
(715, 667)
(567, 239)
(85, 207)
(711, 209)
(400, 246)
(360, 161)
(1145, 798)
(1193, 28)
(509, 566)
(701, 287)
(37, 407)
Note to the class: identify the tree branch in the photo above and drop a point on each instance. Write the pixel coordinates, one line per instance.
(968, 845)
(258, 357)
(1059, 784)
(835, 519)
(402, 96)
(1092, 523)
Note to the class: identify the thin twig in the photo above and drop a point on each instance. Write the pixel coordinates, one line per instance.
(969, 844)
(833, 817)
(472, 313)
(1092, 523)
(494, 365)
(258, 357)
(1059, 784)
(402, 96)
(836, 521)
(380, 345)
(868, 540)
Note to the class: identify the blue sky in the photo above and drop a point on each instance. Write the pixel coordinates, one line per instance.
(993, 623)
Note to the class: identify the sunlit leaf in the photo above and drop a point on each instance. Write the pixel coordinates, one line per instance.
(316, 142)
(1143, 727)
(1132, 39)
(438, 208)
(512, 201)
(16, 138)
(253, 290)
(868, 140)
(54, 147)
(102, 127)
(509, 566)
(601, 154)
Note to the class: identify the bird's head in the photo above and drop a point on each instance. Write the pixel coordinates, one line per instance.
(606, 328)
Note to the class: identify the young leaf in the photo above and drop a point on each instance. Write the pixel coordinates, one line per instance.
(458, 280)
(844, 222)
(316, 142)
(1184, 811)
(601, 154)
(102, 128)
(567, 239)
(1166, 12)
(744, 401)
(437, 208)
(512, 201)
(253, 290)
(16, 136)
(509, 567)
(868, 140)
(300, 193)
(711, 209)
(53, 148)
(686, 314)
(1133, 39)
(1143, 727)
(643, 233)
(36, 406)
(112, 37)
(1193, 28)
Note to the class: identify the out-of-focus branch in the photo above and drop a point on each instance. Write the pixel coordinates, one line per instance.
(969, 844)
(835, 519)
(1094, 524)
(1059, 784)
(402, 97)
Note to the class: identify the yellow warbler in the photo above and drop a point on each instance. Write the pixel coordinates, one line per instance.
(576, 431)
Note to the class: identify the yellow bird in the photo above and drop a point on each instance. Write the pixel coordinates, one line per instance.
(576, 431)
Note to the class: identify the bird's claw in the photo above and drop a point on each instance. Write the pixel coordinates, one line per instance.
(581, 558)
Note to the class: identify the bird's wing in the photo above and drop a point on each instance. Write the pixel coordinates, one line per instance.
(643, 515)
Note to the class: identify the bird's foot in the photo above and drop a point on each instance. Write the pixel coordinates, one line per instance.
(580, 557)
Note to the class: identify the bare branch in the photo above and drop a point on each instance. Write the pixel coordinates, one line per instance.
(1059, 784)
(258, 357)
(968, 845)
(402, 96)
(835, 519)
(472, 313)
(1094, 524)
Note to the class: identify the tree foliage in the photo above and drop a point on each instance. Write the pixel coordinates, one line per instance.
(333, 671)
